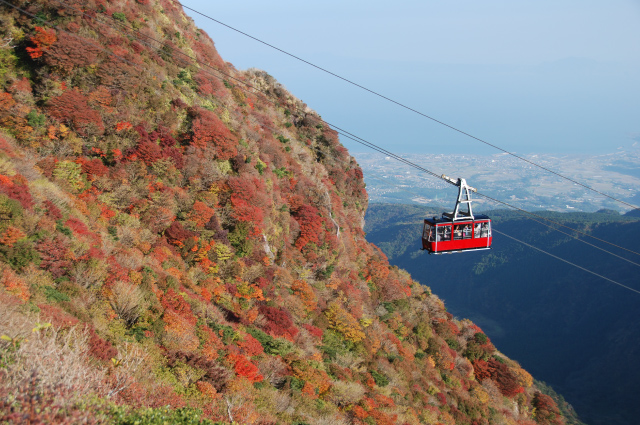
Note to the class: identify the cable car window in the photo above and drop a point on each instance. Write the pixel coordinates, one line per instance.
(482, 230)
(461, 231)
(430, 233)
(443, 233)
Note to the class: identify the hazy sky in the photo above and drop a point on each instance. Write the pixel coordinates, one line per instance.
(529, 76)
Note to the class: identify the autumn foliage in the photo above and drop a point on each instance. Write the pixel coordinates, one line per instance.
(209, 130)
(197, 248)
(42, 41)
(71, 108)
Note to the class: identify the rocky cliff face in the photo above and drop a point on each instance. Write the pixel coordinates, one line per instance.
(179, 235)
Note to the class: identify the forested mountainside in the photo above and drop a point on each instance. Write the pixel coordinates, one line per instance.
(574, 330)
(177, 248)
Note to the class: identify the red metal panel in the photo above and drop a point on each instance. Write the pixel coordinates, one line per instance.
(452, 244)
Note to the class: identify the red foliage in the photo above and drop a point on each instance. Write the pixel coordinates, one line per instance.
(114, 72)
(20, 86)
(71, 108)
(279, 322)
(208, 85)
(313, 330)
(175, 154)
(176, 234)
(149, 152)
(57, 317)
(164, 135)
(547, 412)
(176, 303)
(94, 168)
(52, 211)
(71, 51)
(78, 227)
(42, 41)
(207, 53)
(100, 348)
(310, 226)
(261, 282)
(208, 129)
(251, 346)
(55, 255)
(249, 201)
(16, 188)
(116, 272)
(245, 368)
(499, 373)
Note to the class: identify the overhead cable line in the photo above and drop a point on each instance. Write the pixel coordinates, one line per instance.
(554, 228)
(560, 258)
(568, 262)
(547, 225)
(352, 138)
(339, 130)
(402, 105)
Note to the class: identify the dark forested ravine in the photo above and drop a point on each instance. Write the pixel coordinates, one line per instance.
(576, 331)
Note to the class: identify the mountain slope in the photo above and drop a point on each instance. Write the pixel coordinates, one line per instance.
(573, 330)
(175, 241)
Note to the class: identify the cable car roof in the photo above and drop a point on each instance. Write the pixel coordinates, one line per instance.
(441, 220)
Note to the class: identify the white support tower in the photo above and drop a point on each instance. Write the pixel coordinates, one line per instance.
(464, 198)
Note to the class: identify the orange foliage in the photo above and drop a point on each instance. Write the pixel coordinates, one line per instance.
(179, 332)
(71, 108)
(206, 294)
(318, 379)
(175, 303)
(306, 294)
(11, 236)
(123, 125)
(249, 291)
(245, 368)
(309, 391)
(208, 390)
(101, 97)
(42, 42)
(200, 213)
(310, 226)
(211, 342)
(209, 130)
(384, 401)
(360, 413)
(14, 284)
(251, 346)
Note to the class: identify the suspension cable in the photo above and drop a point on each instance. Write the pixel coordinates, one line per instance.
(568, 262)
(402, 105)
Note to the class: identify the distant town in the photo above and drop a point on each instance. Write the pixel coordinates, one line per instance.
(507, 179)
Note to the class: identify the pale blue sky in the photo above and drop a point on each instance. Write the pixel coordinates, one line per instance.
(529, 76)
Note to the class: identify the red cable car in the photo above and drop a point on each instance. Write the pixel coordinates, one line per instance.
(457, 231)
